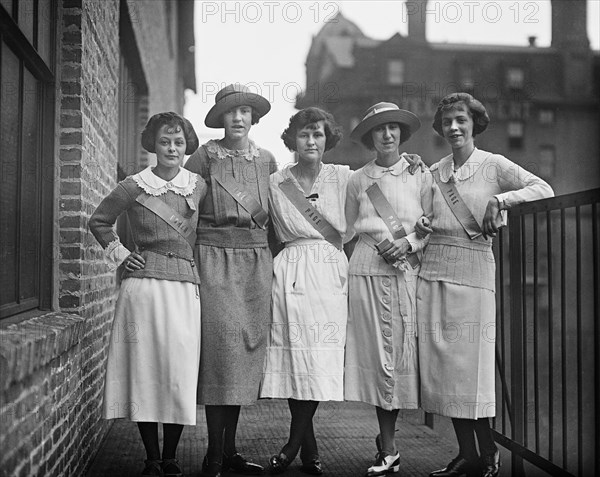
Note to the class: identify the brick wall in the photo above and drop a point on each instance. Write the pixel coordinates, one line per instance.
(52, 365)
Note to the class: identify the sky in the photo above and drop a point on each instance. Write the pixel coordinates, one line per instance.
(264, 45)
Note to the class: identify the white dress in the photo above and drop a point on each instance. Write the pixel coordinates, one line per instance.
(305, 351)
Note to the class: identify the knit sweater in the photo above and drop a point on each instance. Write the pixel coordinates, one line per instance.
(451, 255)
(168, 255)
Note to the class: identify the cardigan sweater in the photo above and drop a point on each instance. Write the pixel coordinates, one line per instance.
(168, 255)
(222, 222)
(451, 256)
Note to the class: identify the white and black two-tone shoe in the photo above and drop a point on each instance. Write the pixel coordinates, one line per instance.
(384, 464)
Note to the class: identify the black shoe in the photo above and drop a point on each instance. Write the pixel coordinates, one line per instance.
(238, 464)
(491, 464)
(211, 469)
(171, 468)
(152, 468)
(278, 463)
(459, 466)
(312, 465)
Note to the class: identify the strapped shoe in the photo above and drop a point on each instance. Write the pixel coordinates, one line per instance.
(491, 464)
(152, 468)
(171, 468)
(211, 469)
(278, 463)
(459, 466)
(240, 465)
(311, 465)
(384, 464)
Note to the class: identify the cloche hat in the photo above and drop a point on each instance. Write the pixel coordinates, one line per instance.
(231, 96)
(382, 113)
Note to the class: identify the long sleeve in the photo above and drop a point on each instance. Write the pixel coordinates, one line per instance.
(102, 224)
(518, 185)
(352, 206)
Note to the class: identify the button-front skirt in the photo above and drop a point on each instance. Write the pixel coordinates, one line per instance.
(381, 347)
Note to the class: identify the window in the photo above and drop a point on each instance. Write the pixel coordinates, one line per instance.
(515, 78)
(395, 72)
(26, 141)
(515, 135)
(466, 77)
(546, 117)
(547, 161)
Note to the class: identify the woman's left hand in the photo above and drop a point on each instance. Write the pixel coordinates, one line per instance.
(397, 250)
(492, 220)
(414, 162)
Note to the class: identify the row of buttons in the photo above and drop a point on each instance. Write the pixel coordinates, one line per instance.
(387, 333)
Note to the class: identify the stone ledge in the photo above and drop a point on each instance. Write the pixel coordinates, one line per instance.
(33, 343)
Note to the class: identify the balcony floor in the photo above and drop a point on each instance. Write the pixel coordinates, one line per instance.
(345, 434)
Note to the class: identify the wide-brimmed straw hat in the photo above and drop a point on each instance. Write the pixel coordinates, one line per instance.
(383, 113)
(231, 96)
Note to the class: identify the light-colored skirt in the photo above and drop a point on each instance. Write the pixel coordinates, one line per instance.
(236, 311)
(381, 347)
(305, 352)
(153, 355)
(457, 339)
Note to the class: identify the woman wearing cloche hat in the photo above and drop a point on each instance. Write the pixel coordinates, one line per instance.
(236, 269)
(384, 201)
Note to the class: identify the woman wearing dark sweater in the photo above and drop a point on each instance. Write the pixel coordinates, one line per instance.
(152, 367)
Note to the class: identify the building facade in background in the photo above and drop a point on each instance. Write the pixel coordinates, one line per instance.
(543, 102)
(79, 80)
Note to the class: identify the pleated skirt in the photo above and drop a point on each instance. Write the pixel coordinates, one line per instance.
(153, 355)
(381, 346)
(305, 352)
(457, 339)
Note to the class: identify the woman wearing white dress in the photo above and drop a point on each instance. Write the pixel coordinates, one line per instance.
(456, 306)
(381, 349)
(305, 352)
(153, 355)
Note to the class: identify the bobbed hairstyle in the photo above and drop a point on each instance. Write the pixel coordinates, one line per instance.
(306, 117)
(170, 119)
(474, 107)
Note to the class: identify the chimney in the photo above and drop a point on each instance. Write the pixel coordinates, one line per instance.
(416, 19)
(569, 24)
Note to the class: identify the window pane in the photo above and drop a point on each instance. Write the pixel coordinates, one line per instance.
(27, 18)
(9, 135)
(395, 72)
(8, 5)
(30, 199)
(44, 39)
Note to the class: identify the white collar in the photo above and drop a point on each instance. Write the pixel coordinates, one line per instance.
(375, 171)
(474, 162)
(182, 184)
(216, 148)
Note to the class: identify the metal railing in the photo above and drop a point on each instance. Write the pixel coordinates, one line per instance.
(548, 336)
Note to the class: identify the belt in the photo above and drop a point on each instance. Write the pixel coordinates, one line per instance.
(170, 255)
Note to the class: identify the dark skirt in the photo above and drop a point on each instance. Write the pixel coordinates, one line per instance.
(235, 292)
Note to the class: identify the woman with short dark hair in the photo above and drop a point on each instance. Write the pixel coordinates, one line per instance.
(457, 281)
(153, 354)
(305, 352)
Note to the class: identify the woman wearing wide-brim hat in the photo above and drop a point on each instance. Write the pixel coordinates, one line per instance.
(381, 348)
(236, 270)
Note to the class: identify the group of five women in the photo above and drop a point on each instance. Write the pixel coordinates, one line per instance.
(308, 326)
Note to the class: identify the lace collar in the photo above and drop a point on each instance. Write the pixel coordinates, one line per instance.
(217, 150)
(474, 162)
(182, 184)
(375, 171)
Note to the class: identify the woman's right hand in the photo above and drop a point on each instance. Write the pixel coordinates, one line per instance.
(134, 262)
(423, 227)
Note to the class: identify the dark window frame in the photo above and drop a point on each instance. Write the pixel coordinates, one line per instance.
(14, 39)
